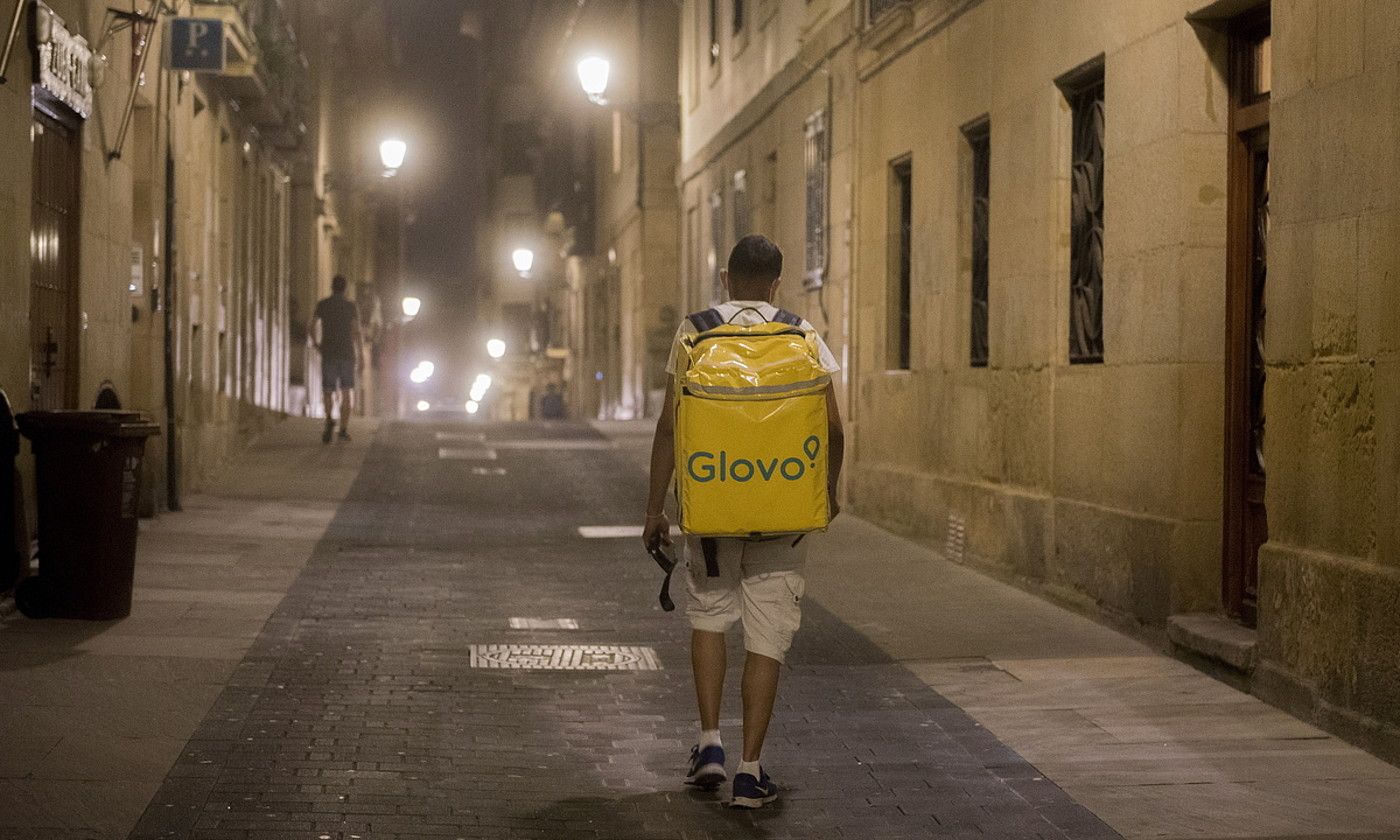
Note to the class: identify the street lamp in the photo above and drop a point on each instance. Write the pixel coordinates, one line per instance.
(593, 73)
(524, 259)
(495, 348)
(424, 405)
(411, 305)
(392, 153)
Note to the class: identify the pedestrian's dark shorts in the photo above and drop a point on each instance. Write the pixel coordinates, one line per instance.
(337, 373)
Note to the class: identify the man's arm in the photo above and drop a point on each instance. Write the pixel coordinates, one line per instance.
(311, 329)
(836, 447)
(657, 531)
(357, 338)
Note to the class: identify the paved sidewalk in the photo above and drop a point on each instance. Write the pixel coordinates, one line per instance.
(301, 666)
(93, 714)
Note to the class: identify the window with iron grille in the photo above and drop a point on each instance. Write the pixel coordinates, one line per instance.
(979, 141)
(717, 254)
(743, 206)
(900, 302)
(817, 165)
(1084, 92)
(876, 9)
(713, 47)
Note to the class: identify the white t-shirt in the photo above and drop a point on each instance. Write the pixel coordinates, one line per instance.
(750, 313)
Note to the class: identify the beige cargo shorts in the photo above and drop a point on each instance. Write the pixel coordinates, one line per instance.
(760, 583)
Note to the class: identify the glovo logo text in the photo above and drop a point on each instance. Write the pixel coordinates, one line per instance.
(705, 467)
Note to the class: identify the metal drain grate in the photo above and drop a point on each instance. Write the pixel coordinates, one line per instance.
(565, 657)
(543, 624)
(956, 542)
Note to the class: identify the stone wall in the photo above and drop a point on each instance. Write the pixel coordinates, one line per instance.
(1100, 481)
(1330, 574)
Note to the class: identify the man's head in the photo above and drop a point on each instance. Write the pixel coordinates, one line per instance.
(338, 284)
(755, 266)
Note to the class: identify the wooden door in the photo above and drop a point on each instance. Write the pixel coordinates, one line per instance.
(1246, 524)
(53, 265)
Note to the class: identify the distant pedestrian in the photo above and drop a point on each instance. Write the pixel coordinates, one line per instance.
(759, 582)
(552, 403)
(340, 346)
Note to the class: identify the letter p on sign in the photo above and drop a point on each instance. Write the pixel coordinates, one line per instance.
(197, 44)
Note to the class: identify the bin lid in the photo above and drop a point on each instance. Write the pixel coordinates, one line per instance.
(96, 423)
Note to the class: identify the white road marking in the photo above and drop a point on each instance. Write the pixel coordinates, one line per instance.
(453, 453)
(565, 444)
(616, 532)
(543, 624)
(460, 437)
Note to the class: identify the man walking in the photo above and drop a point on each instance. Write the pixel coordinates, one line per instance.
(760, 582)
(339, 345)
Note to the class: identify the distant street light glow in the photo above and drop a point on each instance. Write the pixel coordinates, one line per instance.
(524, 260)
(392, 153)
(473, 406)
(424, 405)
(495, 348)
(480, 387)
(411, 306)
(422, 373)
(593, 74)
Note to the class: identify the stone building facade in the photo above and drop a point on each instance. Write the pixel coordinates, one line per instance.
(1121, 307)
(166, 253)
(767, 140)
(635, 146)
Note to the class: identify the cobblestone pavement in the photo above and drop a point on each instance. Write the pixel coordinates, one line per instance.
(358, 714)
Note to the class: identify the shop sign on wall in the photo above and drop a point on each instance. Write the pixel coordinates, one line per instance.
(64, 61)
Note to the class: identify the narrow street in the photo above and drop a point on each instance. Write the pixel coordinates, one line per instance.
(377, 701)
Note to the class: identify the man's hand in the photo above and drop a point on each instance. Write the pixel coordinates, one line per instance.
(657, 531)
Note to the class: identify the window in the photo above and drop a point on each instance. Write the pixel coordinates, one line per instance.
(738, 18)
(743, 206)
(816, 160)
(714, 30)
(876, 9)
(518, 144)
(616, 141)
(901, 220)
(1083, 89)
(979, 141)
(716, 245)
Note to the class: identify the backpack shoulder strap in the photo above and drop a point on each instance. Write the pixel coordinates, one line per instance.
(782, 316)
(705, 320)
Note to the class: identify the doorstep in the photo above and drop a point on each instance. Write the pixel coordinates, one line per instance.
(1217, 642)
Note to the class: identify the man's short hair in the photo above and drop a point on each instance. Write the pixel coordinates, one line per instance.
(755, 259)
(338, 284)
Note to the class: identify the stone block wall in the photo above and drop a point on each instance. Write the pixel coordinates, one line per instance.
(1330, 574)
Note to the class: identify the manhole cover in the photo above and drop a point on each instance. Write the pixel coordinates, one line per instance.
(565, 657)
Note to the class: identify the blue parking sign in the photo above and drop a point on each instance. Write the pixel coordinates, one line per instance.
(197, 44)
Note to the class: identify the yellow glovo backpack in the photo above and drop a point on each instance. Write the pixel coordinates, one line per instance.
(751, 433)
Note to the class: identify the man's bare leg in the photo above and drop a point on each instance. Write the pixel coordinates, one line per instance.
(347, 401)
(707, 660)
(760, 690)
(328, 401)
